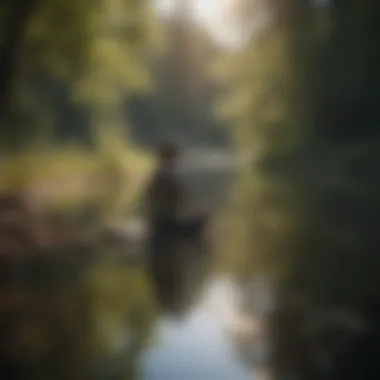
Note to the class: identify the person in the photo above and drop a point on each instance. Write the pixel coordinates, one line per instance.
(165, 191)
(172, 215)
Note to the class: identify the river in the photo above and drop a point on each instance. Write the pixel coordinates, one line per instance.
(199, 346)
(88, 313)
(98, 317)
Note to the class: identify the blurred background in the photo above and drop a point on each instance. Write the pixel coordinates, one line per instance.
(276, 105)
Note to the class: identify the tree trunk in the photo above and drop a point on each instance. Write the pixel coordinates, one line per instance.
(9, 50)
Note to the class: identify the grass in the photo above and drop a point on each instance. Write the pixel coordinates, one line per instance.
(35, 169)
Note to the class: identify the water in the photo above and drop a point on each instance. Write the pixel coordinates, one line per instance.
(205, 342)
(89, 313)
(92, 315)
(197, 347)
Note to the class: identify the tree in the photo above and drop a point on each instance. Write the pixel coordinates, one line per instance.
(106, 49)
(181, 105)
(35, 32)
(304, 97)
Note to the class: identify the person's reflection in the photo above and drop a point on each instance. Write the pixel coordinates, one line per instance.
(175, 230)
(178, 281)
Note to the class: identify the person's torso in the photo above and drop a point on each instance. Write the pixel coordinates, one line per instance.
(165, 196)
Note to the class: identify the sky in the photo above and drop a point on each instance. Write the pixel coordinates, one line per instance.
(207, 10)
(217, 18)
(214, 15)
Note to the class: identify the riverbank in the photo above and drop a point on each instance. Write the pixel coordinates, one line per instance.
(66, 177)
(65, 203)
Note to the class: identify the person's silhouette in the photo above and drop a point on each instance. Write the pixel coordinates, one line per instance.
(171, 211)
(174, 223)
(165, 191)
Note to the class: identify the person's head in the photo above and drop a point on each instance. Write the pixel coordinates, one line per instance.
(168, 154)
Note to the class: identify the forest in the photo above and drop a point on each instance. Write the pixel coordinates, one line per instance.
(89, 89)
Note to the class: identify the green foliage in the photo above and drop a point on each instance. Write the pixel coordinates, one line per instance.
(302, 101)
(120, 296)
(79, 315)
(73, 56)
(49, 43)
(182, 101)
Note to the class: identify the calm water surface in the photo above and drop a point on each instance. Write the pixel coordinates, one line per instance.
(199, 346)
(92, 314)
(102, 319)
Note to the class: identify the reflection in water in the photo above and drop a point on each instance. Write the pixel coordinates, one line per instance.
(177, 279)
(73, 321)
(90, 315)
(197, 347)
(122, 313)
(243, 307)
(94, 314)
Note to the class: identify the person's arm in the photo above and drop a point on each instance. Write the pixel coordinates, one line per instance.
(147, 199)
(159, 194)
